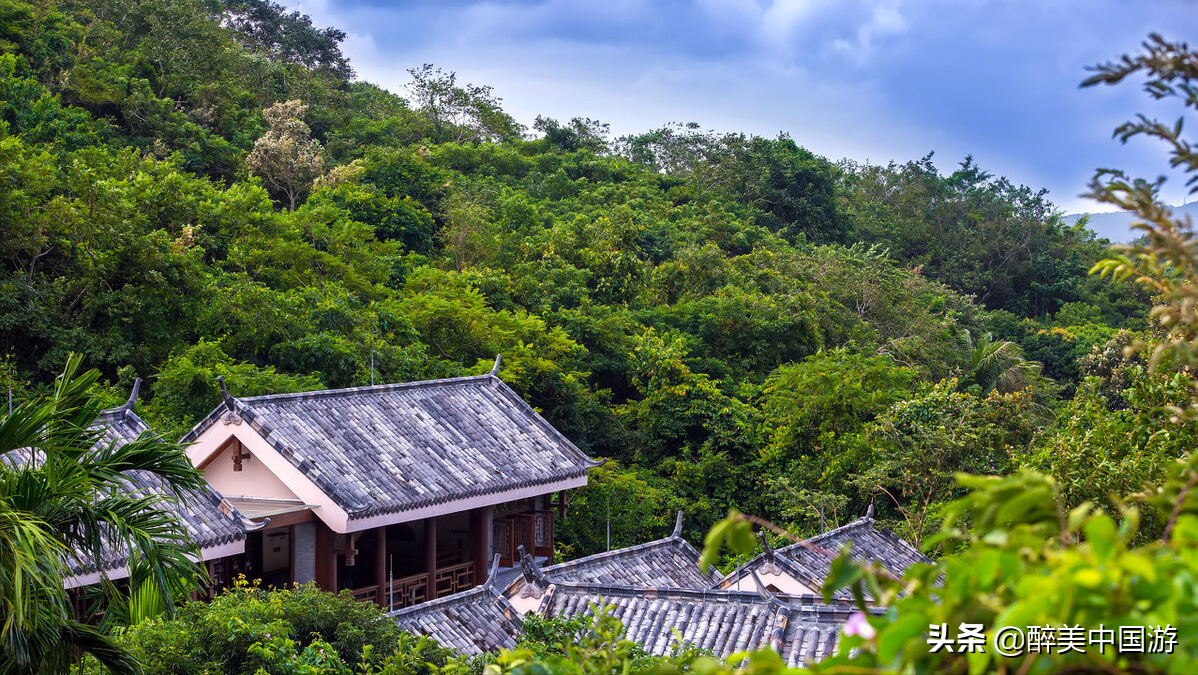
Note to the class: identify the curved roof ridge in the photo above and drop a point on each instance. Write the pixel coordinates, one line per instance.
(614, 553)
(675, 539)
(237, 404)
(205, 422)
(125, 410)
(859, 524)
(208, 493)
(830, 534)
(669, 562)
(200, 513)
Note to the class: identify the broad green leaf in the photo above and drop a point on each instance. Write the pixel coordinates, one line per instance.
(1102, 536)
(894, 636)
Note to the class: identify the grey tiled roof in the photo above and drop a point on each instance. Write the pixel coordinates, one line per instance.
(723, 622)
(207, 525)
(396, 447)
(670, 562)
(802, 629)
(472, 622)
(199, 510)
(810, 561)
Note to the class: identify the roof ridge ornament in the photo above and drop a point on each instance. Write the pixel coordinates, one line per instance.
(230, 402)
(765, 545)
(489, 584)
(531, 570)
(677, 533)
(253, 526)
(495, 368)
(869, 512)
(128, 407)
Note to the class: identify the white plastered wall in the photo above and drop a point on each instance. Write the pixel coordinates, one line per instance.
(211, 444)
(526, 603)
(785, 583)
(254, 479)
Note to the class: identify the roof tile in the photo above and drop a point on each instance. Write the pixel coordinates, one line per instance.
(396, 447)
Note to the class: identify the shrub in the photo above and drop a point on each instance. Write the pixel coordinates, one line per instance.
(279, 632)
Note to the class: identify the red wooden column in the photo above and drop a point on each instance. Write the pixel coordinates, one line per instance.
(430, 555)
(481, 522)
(326, 558)
(380, 567)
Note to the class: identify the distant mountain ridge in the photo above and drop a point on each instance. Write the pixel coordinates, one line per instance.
(1116, 225)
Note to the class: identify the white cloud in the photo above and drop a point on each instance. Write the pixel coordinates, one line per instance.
(885, 19)
(781, 19)
(866, 79)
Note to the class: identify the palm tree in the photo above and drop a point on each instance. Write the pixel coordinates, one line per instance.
(998, 365)
(63, 495)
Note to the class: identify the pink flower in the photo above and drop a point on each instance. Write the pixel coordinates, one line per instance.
(858, 624)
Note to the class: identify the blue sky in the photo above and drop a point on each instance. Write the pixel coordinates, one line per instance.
(868, 80)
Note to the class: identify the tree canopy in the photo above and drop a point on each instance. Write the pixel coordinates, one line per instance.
(201, 188)
(197, 188)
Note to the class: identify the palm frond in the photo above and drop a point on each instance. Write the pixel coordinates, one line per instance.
(106, 463)
(999, 365)
(64, 493)
(101, 647)
(33, 603)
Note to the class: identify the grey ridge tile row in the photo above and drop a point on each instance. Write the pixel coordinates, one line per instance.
(669, 562)
(719, 621)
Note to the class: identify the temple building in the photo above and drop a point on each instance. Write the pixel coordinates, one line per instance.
(399, 493)
(801, 568)
(665, 563)
(663, 599)
(436, 500)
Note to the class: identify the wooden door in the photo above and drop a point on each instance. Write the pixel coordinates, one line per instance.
(502, 539)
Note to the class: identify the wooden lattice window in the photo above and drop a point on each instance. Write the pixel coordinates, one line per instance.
(501, 538)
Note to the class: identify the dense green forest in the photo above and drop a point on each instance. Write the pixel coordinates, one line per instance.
(194, 188)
